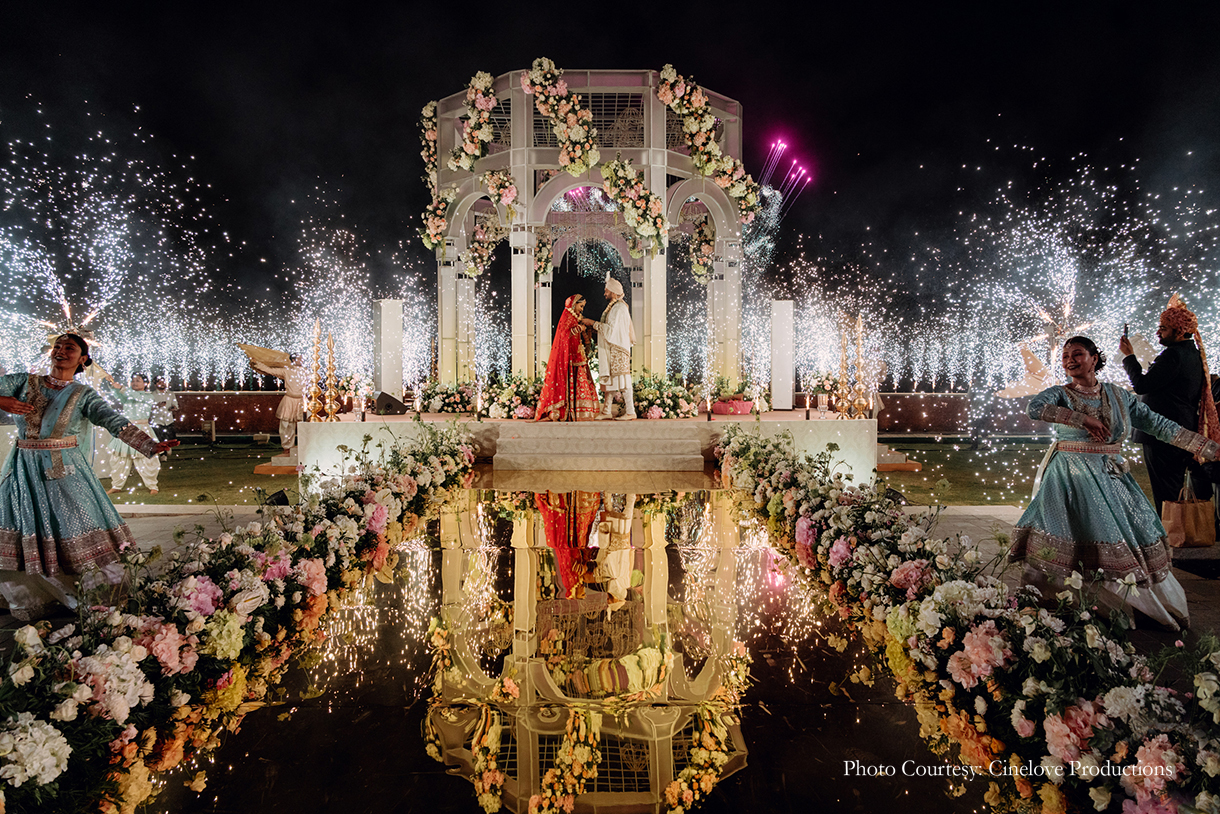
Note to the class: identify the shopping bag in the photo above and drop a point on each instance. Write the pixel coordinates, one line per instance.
(1189, 523)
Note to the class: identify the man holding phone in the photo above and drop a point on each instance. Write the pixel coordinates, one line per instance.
(1172, 386)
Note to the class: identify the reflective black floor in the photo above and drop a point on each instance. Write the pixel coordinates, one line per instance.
(634, 607)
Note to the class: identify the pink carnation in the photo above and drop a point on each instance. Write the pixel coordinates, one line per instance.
(654, 412)
(840, 552)
(910, 576)
(200, 594)
(312, 574)
(277, 567)
(524, 411)
(378, 519)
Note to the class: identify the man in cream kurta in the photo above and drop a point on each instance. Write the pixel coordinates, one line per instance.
(615, 336)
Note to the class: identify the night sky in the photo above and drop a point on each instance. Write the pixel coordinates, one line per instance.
(273, 105)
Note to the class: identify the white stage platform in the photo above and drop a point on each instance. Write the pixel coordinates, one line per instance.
(641, 445)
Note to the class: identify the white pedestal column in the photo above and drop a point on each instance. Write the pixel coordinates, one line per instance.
(522, 243)
(731, 310)
(783, 364)
(387, 347)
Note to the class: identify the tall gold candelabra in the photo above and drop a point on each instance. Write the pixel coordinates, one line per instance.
(842, 394)
(313, 411)
(332, 384)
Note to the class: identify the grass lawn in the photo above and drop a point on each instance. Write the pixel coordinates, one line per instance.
(1003, 473)
(222, 474)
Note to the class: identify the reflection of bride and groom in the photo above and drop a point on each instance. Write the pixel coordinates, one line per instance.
(568, 392)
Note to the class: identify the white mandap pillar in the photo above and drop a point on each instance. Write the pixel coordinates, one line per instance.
(543, 321)
(522, 243)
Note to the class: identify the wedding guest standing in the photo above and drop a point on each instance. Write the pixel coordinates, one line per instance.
(292, 405)
(55, 519)
(165, 408)
(137, 405)
(1173, 387)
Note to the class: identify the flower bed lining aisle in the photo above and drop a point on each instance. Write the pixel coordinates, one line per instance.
(1053, 709)
(92, 710)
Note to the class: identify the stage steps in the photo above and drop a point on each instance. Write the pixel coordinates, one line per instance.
(599, 446)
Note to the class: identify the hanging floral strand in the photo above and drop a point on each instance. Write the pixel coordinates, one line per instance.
(502, 189)
(703, 249)
(571, 124)
(544, 256)
(643, 211)
(686, 99)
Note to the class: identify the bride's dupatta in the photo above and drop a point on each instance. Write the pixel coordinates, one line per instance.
(568, 393)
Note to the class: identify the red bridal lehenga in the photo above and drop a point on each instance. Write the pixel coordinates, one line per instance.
(568, 392)
(566, 521)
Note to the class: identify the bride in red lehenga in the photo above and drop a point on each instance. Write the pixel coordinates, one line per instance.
(568, 393)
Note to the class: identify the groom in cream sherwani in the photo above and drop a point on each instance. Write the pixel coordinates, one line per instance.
(615, 336)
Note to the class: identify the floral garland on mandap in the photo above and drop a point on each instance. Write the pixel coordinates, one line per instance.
(93, 710)
(477, 256)
(428, 128)
(433, 231)
(477, 131)
(544, 256)
(1053, 708)
(703, 249)
(643, 210)
(571, 123)
(687, 100)
(502, 189)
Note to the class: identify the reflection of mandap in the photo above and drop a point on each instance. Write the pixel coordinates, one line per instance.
(591, 699)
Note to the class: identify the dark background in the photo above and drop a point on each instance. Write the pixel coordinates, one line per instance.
(294, 111)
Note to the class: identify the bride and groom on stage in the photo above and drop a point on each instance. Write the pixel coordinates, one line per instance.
(568, 392)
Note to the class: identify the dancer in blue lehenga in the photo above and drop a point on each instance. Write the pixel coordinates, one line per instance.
(55, 518)
(1088, 514)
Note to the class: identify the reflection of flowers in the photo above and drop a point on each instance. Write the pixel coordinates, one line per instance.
(643, 211)
(1056, 698)
(477, 131)
(571, 123)
(576, 763)
(708, 755)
